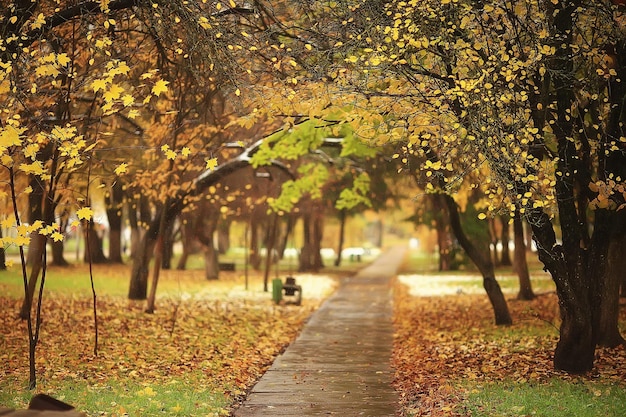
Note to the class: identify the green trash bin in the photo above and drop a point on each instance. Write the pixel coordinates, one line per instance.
(277, 290)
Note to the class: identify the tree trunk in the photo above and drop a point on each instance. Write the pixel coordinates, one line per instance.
(138, 289)
(272, 232)
(138, 215)
(3, 259)
(186, 237)
(318, 235)
(168, 247)
(93, 244)
(444, 241)
(505, 238)
(159, 250)
(576, 346)
(493, 234)
(41, 208)
(114, 216)
(254, 256)
(223, 236)
(306, 251)
(482, 261)
(519, 260)
(35, 258)
(310, 256)
(58, 249)
(211, 265)
(342, 232)
(608, 333)
(205, 233)
(570, 262)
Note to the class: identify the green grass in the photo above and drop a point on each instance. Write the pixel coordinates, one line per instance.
(554, 399)
(113, 280)
(470, 281)
(117, 397)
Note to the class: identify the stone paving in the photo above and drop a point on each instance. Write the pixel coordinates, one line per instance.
(340, 363)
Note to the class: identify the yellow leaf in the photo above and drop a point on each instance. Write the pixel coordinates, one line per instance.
(39, 22)
(211, 163)
(8, 222)
(85, 213)
(57, 237)
(98, 85)
(63, 59)
(482, 216)
(9, 136)
(21, 240)
(159, 87)
(121, 168)
(186, 152)
(114, 92)
(127, 100)
(34, 168)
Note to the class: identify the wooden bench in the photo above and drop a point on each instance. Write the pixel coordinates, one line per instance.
(226, 266)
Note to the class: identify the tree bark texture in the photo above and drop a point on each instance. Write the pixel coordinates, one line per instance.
(444, 240)
(342, 232)
(519, 260)
(114, 215)
(482, 260)
(505, 238)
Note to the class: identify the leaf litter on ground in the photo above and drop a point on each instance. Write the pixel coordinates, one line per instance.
(445, 347)
(198, 343)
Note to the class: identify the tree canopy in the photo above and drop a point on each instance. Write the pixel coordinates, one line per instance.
(521, 101)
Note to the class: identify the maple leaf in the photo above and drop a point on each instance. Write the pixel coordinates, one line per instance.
(121, 168)
(63, 59)
(57, 237)
(170, 154)
(7, 222)
(211, 164)
(40, 20)
(85, 213)
(98, 85)
(35, 168)
(185, 151)
(9, 136)
(113, 93)
(127, 100)
(159, 87)
(21, 240)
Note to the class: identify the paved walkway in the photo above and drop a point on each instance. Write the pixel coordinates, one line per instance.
(339, 365)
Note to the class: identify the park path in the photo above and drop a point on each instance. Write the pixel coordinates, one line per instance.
(340, 363)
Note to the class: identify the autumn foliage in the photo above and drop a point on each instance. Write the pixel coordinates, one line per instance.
(446, 344)
(203, 341)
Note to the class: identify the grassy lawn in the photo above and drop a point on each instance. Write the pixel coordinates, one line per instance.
(197, 355)
(451, 360)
